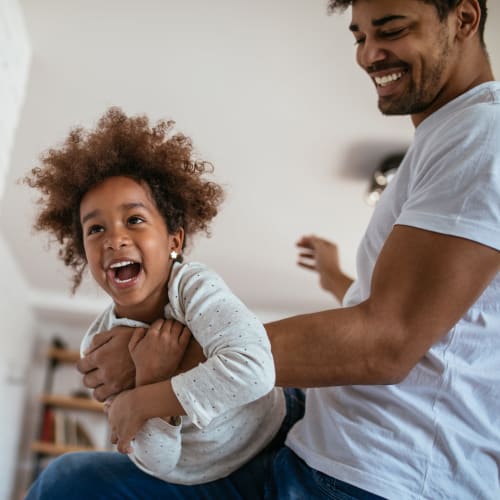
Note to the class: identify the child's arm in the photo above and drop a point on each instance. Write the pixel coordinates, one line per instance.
(128, 411)
(158, 350)
(153, 444)
(239, 368)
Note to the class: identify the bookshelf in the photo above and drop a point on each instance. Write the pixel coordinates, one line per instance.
(62, 427)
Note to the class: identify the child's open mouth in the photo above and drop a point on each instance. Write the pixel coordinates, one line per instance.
(124, 272)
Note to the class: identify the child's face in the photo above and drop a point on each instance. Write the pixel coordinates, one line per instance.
(127, 246)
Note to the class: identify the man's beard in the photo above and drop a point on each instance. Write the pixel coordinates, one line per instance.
(419, 98)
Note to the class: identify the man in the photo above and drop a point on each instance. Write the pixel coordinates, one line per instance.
(406, 375)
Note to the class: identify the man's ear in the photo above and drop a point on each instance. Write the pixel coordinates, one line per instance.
(468, 16)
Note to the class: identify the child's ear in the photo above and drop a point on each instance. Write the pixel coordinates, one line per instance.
(177, 240)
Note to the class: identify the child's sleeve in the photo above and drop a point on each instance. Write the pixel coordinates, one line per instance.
(157, 447)
(239, 368)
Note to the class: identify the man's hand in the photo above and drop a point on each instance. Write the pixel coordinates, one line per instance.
(158, 350)
(107, 366)
(322, 256)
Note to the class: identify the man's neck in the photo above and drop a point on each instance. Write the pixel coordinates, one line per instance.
(462, 83)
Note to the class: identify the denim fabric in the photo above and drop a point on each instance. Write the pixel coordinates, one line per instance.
(111, 475)
(293, 479)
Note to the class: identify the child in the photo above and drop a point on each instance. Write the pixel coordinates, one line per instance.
(123, 199)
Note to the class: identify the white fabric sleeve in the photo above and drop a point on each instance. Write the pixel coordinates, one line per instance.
(239, 368)
(456, 189)
(157, 447)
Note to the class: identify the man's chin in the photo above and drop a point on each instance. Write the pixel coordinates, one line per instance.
(392, 109)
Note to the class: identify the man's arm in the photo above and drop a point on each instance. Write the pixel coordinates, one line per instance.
(108, 369)
(423, 282)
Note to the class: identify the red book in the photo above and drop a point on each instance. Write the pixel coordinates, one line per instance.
(48, 425)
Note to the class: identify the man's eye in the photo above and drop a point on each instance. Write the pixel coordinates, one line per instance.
(94, 229)
(393, 33)
(359, 41)
(135, 220)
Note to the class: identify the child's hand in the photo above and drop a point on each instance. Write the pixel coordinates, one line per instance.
(157, 351)
(125, 419)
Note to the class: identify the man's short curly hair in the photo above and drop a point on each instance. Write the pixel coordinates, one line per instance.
(443, 7)
(122, 146)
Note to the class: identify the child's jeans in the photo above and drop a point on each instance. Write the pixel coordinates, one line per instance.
(111, 475)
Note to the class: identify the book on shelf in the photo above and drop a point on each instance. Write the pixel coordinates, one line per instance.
(48, 425)
(61, 428)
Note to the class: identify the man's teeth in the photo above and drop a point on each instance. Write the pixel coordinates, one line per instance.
(124, 263)
(382, 81)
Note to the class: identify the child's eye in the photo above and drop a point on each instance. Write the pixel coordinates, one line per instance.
(94, 229)
(135, 220)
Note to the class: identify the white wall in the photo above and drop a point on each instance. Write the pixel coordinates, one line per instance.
(14, 64)
(16, 340)
(17, 327)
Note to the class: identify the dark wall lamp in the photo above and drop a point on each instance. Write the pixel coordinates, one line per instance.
(381, 177)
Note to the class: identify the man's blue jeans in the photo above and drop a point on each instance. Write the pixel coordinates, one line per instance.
(111, 475)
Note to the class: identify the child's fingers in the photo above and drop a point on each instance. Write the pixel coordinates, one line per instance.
(123, 446)
(185, 336)
(137, 336)
(175, 328)
(156, 327)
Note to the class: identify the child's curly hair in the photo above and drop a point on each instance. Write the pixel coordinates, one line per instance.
(122, 146)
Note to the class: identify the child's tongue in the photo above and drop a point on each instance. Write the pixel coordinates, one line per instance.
(127, 272)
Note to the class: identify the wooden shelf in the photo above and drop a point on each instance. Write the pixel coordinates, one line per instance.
(61, 415)
(63, 355)
(57, 449)
(71, 402)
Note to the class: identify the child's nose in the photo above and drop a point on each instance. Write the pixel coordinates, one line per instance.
(117, 239)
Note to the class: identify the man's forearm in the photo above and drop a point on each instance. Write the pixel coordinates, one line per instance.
(326, 348)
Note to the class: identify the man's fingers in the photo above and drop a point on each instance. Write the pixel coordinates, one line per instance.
(85, 365)
(99, 340)
(102, 393)
(307, 266)
(92, 379)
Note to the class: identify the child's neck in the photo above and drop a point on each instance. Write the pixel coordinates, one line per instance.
(144, 312)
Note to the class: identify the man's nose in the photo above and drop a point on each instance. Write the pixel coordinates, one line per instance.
(371, 52)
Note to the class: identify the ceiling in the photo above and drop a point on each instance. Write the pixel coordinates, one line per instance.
(269, 93)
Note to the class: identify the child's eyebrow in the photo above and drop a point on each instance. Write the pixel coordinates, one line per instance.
(90, 215)
(378, 22)
(125, 206)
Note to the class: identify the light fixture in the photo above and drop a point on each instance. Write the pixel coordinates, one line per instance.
(381, 177)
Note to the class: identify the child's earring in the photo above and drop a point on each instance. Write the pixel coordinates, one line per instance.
(176, 257)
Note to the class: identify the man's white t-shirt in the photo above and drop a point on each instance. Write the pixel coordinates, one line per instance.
(436, 434)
